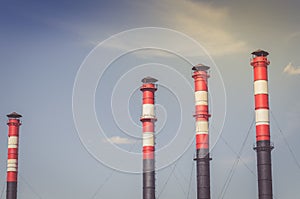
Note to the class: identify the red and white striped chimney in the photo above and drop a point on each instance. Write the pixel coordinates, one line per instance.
(12, 160)
(202, 159)
(263, 146)
(148, 119)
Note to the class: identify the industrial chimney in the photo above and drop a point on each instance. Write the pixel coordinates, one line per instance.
(148, 119)
(202, 159)
(12, 160)
(263, 146)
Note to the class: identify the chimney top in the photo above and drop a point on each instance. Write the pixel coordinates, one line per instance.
(260, 52)
(14, 115)
(200, 67)
(148, 80)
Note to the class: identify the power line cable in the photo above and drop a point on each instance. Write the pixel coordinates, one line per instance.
(110, 175)
(235, 164)
(229, 178)
(181, 186)
(191, 177)
(185, 179)
(286, 142)
(2, 191)
(236, 153)
(165, 184)
(30, 187)
(102, 185)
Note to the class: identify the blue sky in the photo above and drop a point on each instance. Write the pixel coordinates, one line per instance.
(44, 45)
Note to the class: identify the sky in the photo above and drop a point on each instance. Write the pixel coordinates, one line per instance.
(73, 70)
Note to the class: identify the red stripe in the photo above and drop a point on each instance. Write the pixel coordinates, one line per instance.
(260, 71)
(201, 109)
(12, 150)
(12, 153)
(148, 126)
(148, 148)
(260, 68)
(13, 130)
(148, 155)
(200, 85)
(202, 113)
(148, 97)
(202, 141)
(12, 156)
(148, 93)
(262, 132)
(261, 101)
(148, 152)
(12, 176)
(200, 80)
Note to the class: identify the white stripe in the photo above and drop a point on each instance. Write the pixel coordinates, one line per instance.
(12, 161)
(148, 111)
(13, 142)
(11, 169)
(201, 127)
(201, 132)
(261, 116)
(201, 97)
(148, 139)
(260, 87)
(12, 165)
(262, 123)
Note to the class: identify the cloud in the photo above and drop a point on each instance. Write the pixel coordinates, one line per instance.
(291, 70)
(140, 47)
(208, 24)
(119, 140)
(204, 22)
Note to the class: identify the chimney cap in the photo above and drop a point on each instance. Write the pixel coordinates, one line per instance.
(148, 80)
(260, 52)
(14, 115)
(200, 67)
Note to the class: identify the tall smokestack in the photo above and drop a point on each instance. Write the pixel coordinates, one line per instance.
(148, 119)
(202, 159)
(263, 146)
(12, 160)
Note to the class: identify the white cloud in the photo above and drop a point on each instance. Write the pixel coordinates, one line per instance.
(206, 23)
(119, 140)
(291, 70)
